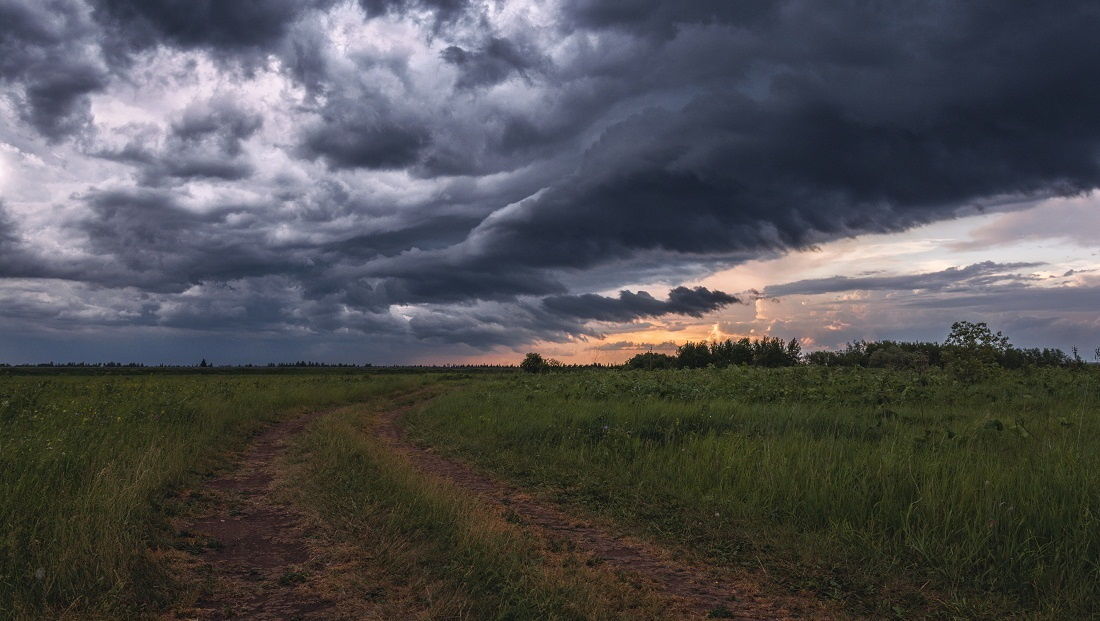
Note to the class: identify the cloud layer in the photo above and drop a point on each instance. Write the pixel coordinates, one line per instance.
(478, 173)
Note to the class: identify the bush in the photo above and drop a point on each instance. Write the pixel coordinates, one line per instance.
(894, 357)
(535, 363)
(971, 350)
(651, 360)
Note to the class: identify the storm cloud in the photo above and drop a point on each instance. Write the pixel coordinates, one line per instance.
(205, 142)
(966, 278)
(467, 172)
(235, 27)
(630, 305)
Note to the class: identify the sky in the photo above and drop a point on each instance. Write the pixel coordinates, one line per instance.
(450, 181)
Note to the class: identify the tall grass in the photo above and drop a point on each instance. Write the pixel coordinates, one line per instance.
(861, 484)
(479, 565)
(85, 461)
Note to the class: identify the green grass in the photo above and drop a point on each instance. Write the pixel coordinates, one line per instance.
(86, 462)
(897, 493)
(477, 563)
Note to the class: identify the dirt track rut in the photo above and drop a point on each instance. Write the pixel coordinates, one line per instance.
(257, 555)
(699, 591)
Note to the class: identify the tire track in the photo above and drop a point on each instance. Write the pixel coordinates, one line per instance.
(697, 591)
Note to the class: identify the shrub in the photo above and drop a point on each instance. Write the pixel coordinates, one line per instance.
(534, 363)
(971, 350)
(651, 360)
(895, 357)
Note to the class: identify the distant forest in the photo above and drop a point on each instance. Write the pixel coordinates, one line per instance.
(969, 347)
(967, 344)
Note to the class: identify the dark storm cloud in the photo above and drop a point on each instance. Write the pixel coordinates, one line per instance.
(871, 129)
(663, 17)
(964, 278)
(864, 119)
(9, 240)
(492, 324)
(491, 64)
(411, 282)
(555, 318)
(17, 258)
(44, 64)
(204, 143)
(219, 118)
(53, 51)
(215, 24)
(365, 141)
(156, 244)
(431, 233)
(629, 305)
(635, 136)
(55, 98)
(442, 10)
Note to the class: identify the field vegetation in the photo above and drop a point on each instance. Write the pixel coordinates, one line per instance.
(902, 480)
(899, 492)
(87, 463)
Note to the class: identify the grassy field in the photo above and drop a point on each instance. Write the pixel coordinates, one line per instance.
(900, 494)
(86, 463)
(894, 493)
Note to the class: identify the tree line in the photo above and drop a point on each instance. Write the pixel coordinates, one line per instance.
(763, 352)
(971, 348)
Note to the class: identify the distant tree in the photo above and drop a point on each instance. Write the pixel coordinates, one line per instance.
(693, 355)
(728, 352)
(972, 350)
(824, 358)
(766, 352)
(976, 336)
(894, 356)
(794, 352)
(534, 363)
(854, 354)
(651, 360)
(741, 352)
(721, 353)
(773, 352)
(203, 364)
(1077, 360)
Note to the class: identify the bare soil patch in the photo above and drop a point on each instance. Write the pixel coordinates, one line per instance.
(254, 555)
